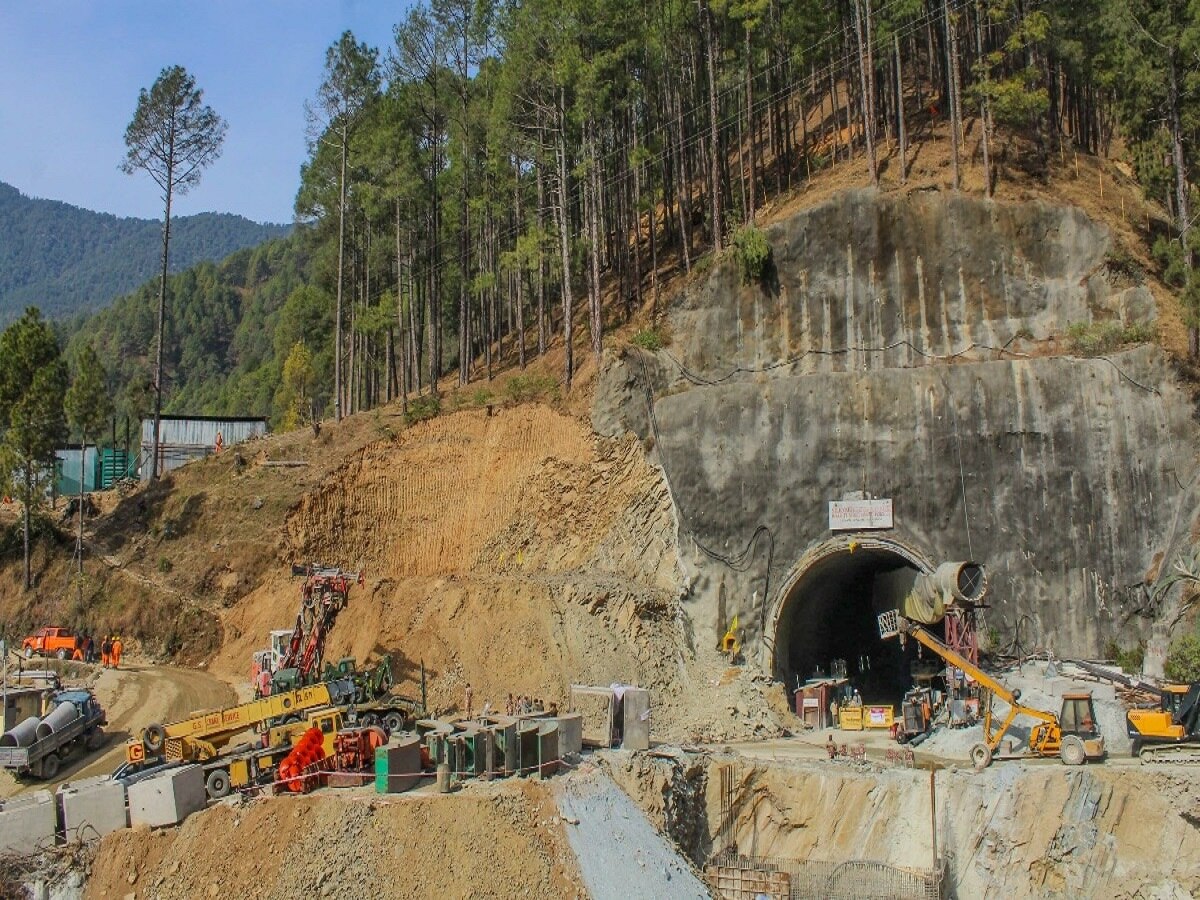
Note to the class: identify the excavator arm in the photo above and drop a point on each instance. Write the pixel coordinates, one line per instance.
(1046, 736)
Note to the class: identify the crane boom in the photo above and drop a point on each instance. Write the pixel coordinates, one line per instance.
(202, 735)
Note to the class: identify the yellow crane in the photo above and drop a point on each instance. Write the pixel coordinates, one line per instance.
(201, 736)
(1072, 736)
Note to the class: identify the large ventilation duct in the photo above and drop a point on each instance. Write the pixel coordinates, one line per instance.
(962, 582)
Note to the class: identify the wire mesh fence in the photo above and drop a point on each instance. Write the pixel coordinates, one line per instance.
(737, 877)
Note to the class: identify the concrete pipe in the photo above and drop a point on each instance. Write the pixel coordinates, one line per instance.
(21, 735)
(62, 715)
(962, 582)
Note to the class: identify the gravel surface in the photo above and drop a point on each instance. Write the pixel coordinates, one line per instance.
(621, 856)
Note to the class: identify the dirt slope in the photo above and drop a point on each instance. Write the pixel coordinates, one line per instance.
(517, 552)
(500, 840)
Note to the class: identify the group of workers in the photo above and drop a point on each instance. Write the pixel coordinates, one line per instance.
(111, 649)
(516, 706)
(853, 699)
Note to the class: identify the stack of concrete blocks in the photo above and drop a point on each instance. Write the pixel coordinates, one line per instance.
(547, 748)
(167, 799)
(635, 733)
(92, 807)
(28, 823)
(398, 764)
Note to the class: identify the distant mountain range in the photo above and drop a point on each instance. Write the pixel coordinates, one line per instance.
(68, 260)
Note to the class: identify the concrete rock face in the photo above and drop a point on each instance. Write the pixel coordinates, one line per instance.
(913, 348)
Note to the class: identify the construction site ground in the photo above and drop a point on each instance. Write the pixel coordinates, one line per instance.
(133, 697)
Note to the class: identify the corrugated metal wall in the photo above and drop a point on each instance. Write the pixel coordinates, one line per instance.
(182, 440)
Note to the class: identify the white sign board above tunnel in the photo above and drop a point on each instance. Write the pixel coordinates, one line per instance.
(859, 515)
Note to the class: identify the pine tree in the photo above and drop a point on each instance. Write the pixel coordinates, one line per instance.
(88, 406)
(173, 137)
(33, 382)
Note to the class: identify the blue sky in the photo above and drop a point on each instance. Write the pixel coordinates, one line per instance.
(70, 72)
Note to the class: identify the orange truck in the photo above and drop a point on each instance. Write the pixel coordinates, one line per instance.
(49, 641)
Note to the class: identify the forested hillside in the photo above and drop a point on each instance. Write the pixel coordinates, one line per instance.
(509, 175)
(66, 260)
(230, 328)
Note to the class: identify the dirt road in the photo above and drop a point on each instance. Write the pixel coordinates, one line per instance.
(133, 697)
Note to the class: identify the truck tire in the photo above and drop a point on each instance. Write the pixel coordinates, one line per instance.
(62, 653)
(217, 784)
(49, 766)
(366, 720)
(393, 722)
(154, 737)
(981, 757)
(1072, 752)
(95, 738)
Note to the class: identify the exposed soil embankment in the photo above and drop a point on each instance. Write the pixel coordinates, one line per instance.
(515, 552)
(502, 840)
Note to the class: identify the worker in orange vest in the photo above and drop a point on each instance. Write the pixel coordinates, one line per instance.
(117, 647)
(106, 651)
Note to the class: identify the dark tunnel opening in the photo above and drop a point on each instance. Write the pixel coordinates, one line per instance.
(830, 614)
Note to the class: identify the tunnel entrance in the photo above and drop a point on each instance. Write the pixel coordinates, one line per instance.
(829, 614)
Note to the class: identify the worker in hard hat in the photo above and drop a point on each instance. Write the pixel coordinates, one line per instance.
(117, 648)
(106, 651)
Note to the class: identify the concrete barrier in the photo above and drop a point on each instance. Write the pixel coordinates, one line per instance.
(27, 823)
(570, 734)
(636, 717)
(92, 808)
(547, 744)
(398, 765)
(527, 748)
(167, 799)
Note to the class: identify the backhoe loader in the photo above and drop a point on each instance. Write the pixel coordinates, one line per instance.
(1072, 735)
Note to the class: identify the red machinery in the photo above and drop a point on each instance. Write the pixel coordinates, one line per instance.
(325, 593)
(300, 770)
(354, 748)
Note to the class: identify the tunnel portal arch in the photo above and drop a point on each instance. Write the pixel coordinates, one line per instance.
(827, 605)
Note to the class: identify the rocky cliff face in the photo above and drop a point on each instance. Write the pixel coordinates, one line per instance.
(914, 348)
(1011, 831)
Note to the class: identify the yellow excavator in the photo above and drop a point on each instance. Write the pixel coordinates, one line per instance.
(1170, 733)
(1072, 735)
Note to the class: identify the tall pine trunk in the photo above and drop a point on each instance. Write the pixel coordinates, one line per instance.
(563, 213)
(338, 384)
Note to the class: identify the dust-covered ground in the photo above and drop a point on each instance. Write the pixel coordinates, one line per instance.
(505, 839)
(133, 696)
